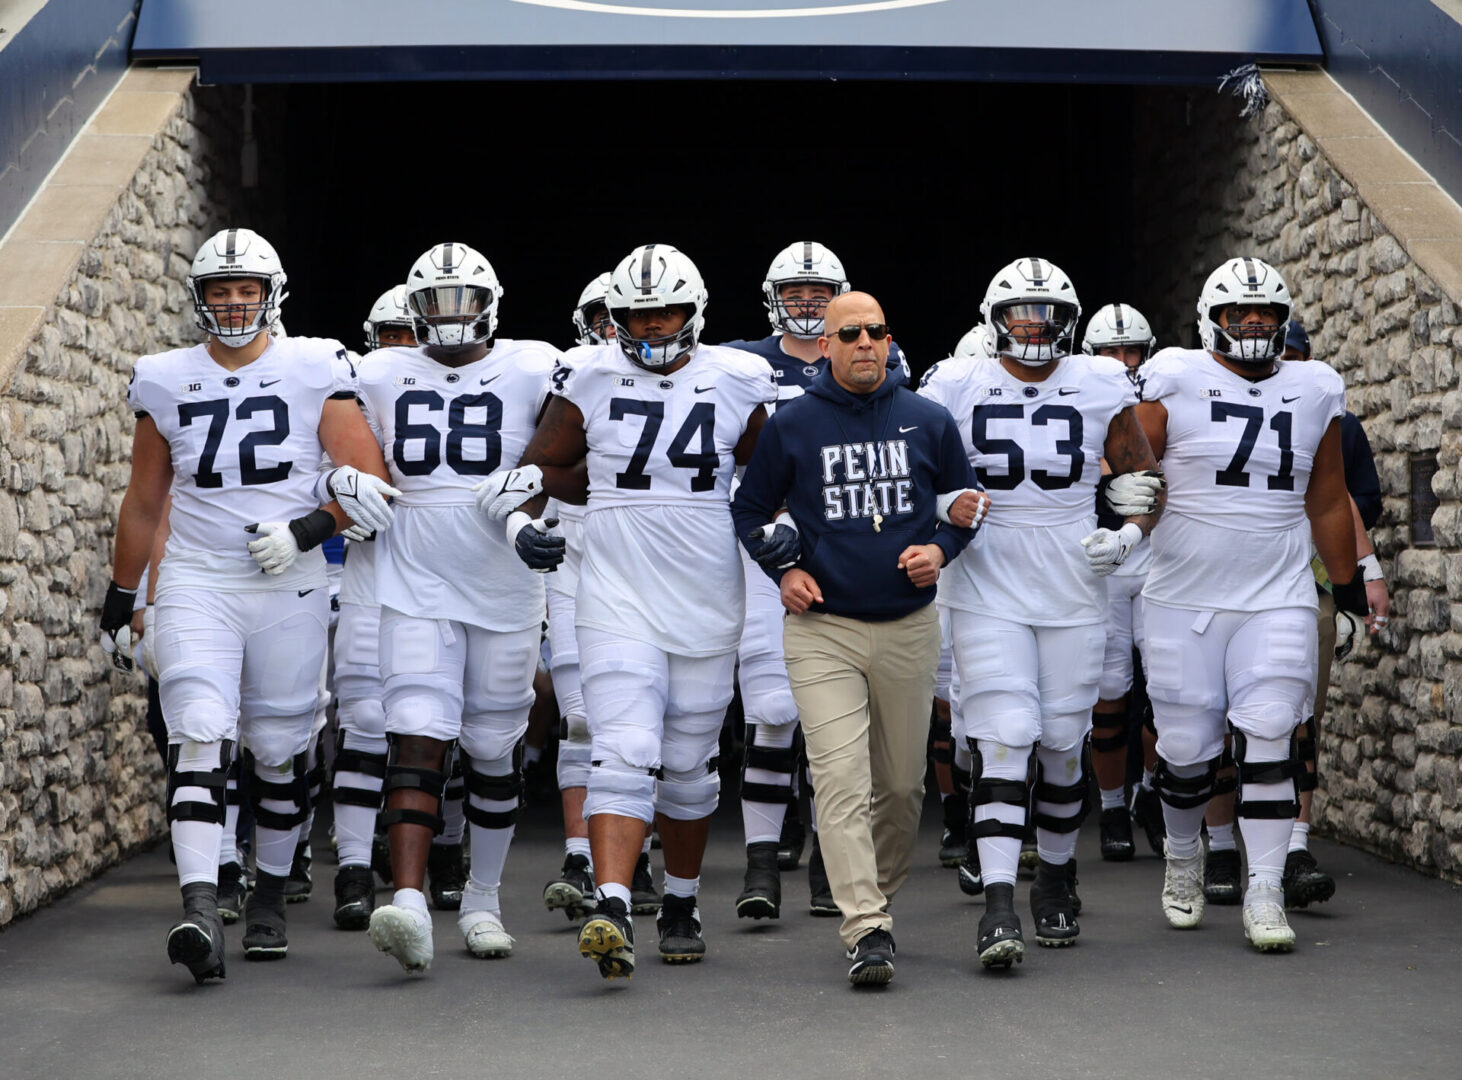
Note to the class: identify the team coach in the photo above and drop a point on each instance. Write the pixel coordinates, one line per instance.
(871, 475)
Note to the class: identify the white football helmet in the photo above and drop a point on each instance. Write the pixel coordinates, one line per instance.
(1117, 325)
(1032, 291)
(594, 295)
(1249, 281)
(389, 310)
(804, 263)
(452, 294)
(237, 253)
(657, 276)
(977, 344)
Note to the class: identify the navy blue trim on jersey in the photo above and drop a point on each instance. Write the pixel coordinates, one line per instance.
(344, 395)
(790, 371)
(859, 474)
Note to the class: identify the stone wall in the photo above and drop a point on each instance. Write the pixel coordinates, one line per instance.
(1389, 751)
(80, 783)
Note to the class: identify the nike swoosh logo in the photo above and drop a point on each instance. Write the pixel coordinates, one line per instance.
(1287, 400)
(703, 389)
(271, 382)
(905, 430)
(1184, 910)
(306, 592)
(484, 382)
(1068, 390)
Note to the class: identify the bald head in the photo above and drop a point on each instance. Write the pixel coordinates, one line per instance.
(859, 365)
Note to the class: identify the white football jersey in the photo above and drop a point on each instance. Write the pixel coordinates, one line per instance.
(443, 430)
(660, 558)
(1037, 450)
(1234, 536)
(245, 448)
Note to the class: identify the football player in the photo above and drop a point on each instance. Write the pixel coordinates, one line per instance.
(461, 616)
(572, 891)
(801, 281)
(1121, 332)
(360, 749)
(662, 420)
(1251, 446)
(235, 427)
(1026, 604)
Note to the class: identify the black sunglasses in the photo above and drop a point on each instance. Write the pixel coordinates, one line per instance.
(877, 331)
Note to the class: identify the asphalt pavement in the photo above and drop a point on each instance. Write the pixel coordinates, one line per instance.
(1372, 990)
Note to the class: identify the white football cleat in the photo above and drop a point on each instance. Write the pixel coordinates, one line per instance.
(404, 933)
(1182, 889)
(485, 934)
(1264, 923)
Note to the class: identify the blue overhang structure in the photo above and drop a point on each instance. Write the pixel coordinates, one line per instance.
(1050, 41)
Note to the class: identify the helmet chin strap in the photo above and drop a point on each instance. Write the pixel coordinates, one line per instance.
(238, 341)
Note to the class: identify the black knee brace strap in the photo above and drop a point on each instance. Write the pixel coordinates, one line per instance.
(782, 760)
(1184, 792)
(960, 778)
(1307, 750)
(1267, 772)
(941, 742)
(213, 781)
(1105, 744)
(1010, 792)
(1147, 718)
(1063, 794)
(357, 761)
(295, 790)
(503, 787)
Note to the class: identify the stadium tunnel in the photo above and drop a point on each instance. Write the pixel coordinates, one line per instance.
(924, 167)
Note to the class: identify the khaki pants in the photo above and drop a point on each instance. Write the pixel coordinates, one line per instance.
(863, 692)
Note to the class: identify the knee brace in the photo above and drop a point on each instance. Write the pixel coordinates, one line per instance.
(456, 787)
(1012, 793)
(573, 765)
(212, 781)
(620, 789)
(233, 791)
(295, 791)
(316, 770)
(1116, 723)
(1307, 749)
(1184, 792)
(774, 759)
(1062, 795)
(688, 795)
(1226, 782)
(1282, 771)
(364, 763)
(495, 786)
(427, 781)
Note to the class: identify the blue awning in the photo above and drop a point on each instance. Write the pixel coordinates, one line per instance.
(1116, 41)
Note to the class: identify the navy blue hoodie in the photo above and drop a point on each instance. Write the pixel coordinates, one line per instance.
(840, 462)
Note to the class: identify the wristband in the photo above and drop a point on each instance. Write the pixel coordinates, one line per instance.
(1370, 568)
(1351, 597)
(118, 607)
(313, 529)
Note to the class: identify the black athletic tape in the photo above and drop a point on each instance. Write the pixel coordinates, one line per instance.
(433, 822)
(313, 529)
(1266, 809)
(776, 794)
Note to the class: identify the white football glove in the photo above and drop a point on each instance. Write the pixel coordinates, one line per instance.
(943, 502)
(506, 490)
(148, 652)
(358, 533)
(1347, 633)
(363, 497)
(1107, 549)
(1135, 494)
(118, 647)
(276, 549)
